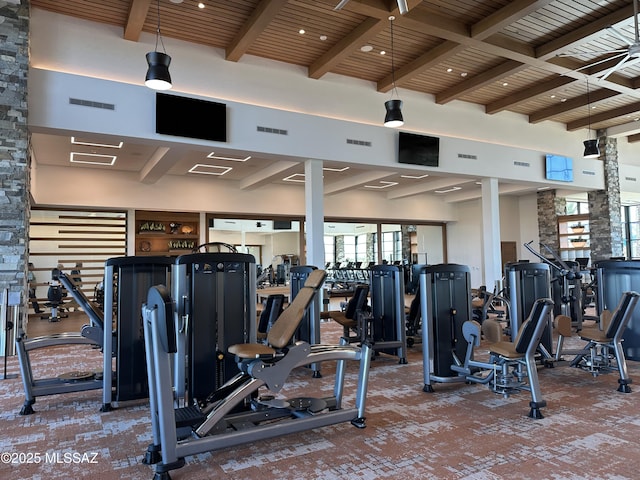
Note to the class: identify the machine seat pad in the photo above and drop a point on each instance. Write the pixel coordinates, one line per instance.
(505, 349)
(594, 334)
(252, 350)
(341, 318)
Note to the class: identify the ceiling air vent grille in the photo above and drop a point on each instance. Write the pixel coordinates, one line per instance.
(276, 131)
(588, 172)
(468, 156)
(630, 179)
(91, 103)
(362, 143)
(522, 164)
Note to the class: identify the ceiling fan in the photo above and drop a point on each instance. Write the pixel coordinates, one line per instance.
(402, 6)
(627, 56)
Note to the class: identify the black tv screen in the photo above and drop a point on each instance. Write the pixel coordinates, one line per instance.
(282, 224)
(418, 149)
(191, 117)
(559, 168)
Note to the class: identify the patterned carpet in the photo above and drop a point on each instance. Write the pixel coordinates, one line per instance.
(460, 431)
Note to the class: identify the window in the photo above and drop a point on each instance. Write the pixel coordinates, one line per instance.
(576, 208)
(631, 231)
(329, 249)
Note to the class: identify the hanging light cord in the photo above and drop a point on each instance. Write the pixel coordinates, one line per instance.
(588, 106)
(158, 34)
(393, 68)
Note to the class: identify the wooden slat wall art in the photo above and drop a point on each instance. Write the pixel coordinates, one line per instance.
(70, 237)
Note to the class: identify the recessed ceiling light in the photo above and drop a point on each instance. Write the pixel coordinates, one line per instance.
(200, 5)
(366, 48)
(294, 178)
(238, 159)
(301, 31)
(383, 52)
(209, 169)
(92, 158)
(463, 74)
(176, 1)
(77, 141)
(563, 100)
(383, 184)
(323, 37)
(553, 96)
(505, 84)
(449, 70)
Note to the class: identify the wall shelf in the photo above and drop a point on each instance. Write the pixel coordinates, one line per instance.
(165, 233)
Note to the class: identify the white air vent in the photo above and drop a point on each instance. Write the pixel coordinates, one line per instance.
(362, 143)
(467, 155)
(276, 131)
(522, 164)
(588, 172)
(91, 103)
(630, 179)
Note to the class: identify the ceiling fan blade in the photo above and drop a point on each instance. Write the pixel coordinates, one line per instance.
(593, 64)
(579, 54)
(614, 68)
(616, 33)
(341, 4)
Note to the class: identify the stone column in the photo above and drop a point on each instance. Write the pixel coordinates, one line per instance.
(605, 220)
(549, 208)
(14, 140)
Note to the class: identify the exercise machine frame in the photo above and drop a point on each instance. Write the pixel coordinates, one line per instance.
(168, 452)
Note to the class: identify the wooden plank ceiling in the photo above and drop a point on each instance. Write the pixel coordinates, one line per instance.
(526, 56)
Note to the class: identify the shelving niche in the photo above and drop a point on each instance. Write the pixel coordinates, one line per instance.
(165, 233)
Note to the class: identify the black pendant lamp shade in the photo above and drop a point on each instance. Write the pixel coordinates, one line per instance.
(158, 77)
(591, 149)
(393, 118)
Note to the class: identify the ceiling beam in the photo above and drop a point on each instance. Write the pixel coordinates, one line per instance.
(630, 109)
(478, 81)
(135, 20)
(507, 15)
(356, 181)
(441, 183)
(346, 46)
(571, 104)
(421, 64)
(160, 163)
(262, 16)
(267, 175)
(527, 94)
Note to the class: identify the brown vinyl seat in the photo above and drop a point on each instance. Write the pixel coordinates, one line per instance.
(282, 331)
(348, 318)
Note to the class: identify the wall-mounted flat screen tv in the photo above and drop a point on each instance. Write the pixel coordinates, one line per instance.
(559, 168)
(191, 117)
(418, 149)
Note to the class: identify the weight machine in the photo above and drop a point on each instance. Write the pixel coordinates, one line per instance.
(237, 413)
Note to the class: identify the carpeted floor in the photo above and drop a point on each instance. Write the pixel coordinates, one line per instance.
(460, 431)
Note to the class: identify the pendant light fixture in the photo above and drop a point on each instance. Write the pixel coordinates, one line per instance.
(591, 149)
(158, 77)
(393, 118)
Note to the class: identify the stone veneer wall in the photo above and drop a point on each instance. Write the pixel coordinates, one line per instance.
(549, 208)
(14, 141)
(605, 221)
